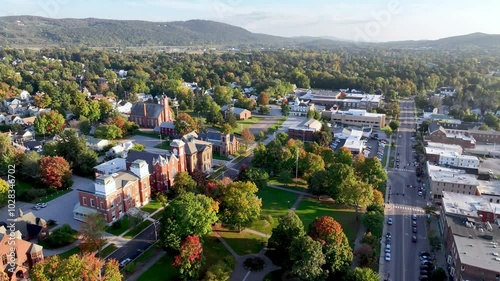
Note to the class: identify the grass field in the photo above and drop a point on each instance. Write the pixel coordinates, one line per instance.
(275, 203)
(124, 226)
(309, 209)
(107, 251)
(136, 230)
(22, 186)
(161, 271)
(242, 124)
(217, 156)
(151, 207)
(70, 252)
(164, 145)
(243, 242)
(215, 251)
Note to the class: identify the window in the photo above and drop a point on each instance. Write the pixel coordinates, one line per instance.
(84, 201)
(4, 259)
(92, 203)
(462, 267)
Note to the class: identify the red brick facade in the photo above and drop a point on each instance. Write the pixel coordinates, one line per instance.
(440, 136)
(150, 115)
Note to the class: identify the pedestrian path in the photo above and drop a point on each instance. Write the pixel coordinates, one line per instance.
(403, 170)
(409, 208)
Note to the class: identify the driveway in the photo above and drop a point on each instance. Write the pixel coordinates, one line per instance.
(148, 142)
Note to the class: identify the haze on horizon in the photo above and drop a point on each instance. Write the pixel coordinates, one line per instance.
(356, 20)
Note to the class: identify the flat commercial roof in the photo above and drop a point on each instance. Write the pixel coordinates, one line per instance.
(442, 174)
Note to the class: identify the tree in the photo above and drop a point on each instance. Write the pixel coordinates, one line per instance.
(362, 274)
(289, 227)
(239, 204)
(358, 193)
(439, 274)
(92, 233)
(138, 147)
(188, 214)
(491, 120)
(373, 220)
(335, 245)
(307, 259)
(247, 137)
(263, 98)
(255, 175)
(344, 156)
(4, 192)
(435, 243)
(190, 258)
(86, 267)
(55, 171)
(7, 153)
(226, 128)
(49, 123)
(285, 177)
(323, 138)
(285, 109)
(222, 95)
(372, 172)
(108, 132)
(264, 109)
(185, 124)
(30, 165)
(364, 253)
(42, 101)
(378, 197)
(319, 184)
(311, 164)
(394, 125)
(387, 130)
(183, 183)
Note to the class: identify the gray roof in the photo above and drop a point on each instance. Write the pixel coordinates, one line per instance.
(237, 110)
(146, 156)
(169, 125)
(215, 136)
(434, 126)
(429, 108)
(153, 110)
(32, 144)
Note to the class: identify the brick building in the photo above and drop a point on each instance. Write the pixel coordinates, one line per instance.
(151, 115)
(438, 134)
(224, 144)
(27, 255)
(198, 153)
(114, 195)
(306, 130)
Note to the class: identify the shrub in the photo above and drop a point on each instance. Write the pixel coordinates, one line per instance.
(61, 237)
(117, 224)
(32, 194)
(51, 223)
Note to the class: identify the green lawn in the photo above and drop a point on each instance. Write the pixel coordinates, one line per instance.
(108, 250)
(164, 145)
(70, 252)
(214, 251)
(161, 271)
(218, 172)
(309, 209)
(300, 183)
(148, 254)
(158, 215)
(147, 134)
(217, 156)
(152, 206)
(242, 124)
(124, 226)
(275, 203)
(136, 230)
(243, 242)
(52, 196)
(22, 186)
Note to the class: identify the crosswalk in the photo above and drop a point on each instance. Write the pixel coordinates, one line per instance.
(409, 208)
(403, 170)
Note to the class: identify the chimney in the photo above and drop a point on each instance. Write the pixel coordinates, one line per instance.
(20, 212)
(144, 108)
(166, 110)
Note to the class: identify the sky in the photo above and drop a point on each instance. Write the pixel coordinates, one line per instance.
(353, 20)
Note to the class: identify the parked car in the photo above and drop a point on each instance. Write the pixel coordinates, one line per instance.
(36, 208)
(414, 216)
(414, 223)
(124, 262)
(388, 235)
(414, 230)
(389, 221)
(424, 253)
(414, 239)
(388, 257)
(387, 248)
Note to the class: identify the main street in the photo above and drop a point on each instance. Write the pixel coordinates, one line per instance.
(402, 201)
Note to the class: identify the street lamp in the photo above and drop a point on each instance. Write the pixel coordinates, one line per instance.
(297, 168)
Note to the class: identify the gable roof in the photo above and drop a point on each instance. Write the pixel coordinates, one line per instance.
(429, 108)
(433, 126)
(237, 110)
(153, 110)
(149, 157)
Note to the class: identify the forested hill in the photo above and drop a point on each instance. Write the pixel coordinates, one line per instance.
(38, 31)
(31, 31)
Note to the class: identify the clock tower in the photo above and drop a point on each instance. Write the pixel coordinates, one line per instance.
(178, 150)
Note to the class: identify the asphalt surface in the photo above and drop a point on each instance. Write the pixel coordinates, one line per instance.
(136, 246)
(402, 203)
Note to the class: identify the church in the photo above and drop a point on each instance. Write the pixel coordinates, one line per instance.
(151, 115)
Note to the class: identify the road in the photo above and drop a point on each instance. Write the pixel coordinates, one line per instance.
(136, 246)
(401, 203)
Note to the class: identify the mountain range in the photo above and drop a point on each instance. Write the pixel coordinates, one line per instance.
(31, 31)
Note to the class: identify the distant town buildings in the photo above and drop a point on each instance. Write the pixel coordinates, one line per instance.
(355, 117)
(306, 130)
(345, 99)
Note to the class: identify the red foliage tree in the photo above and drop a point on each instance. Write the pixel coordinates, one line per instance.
(120, 122)
(190, 258)
(55, 171)
(200, 178)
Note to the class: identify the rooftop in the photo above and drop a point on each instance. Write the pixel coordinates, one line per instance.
(310, 124)
(358, 112)
(464, 205)
(112, 166)
(452, 147)
(439, 151)
(441, 174)
(489, 188)
(476, 243)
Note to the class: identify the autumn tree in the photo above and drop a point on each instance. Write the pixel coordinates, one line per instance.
(108, 132)
(307, 259)
(42, 100)
(190, 258)
(76, 267)
(289, 227)
(185, 124)
(258, 176)
(8, 153)
(183, 183)
(92, 233)
(362, 274)
(373, 219)
(55, 171)
(4, 192)
(30, 165)
(372, 172)
(311, 164)
(239, 204)
(188, 214)
(365, 255)
(344, 156)
(49, 123)
(335, 245)
(357, 193)
(247, 137)
(378, 197)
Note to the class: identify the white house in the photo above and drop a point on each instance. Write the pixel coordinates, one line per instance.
(142, 97)
(15, 109)
(13, 119)
(24, 95)
(120, 150)
(476, 111)
(2, 117)
(248, 90)
(111, 166)
(300, 108)
(123, 107)
(10, 101)
(447, 91)
(96, 144)
(459, 161)
(429, 110)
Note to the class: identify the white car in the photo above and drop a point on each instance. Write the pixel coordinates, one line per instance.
(387, 257)
(420, 193)
(387, 248)
(124, 262)
(389, 221)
